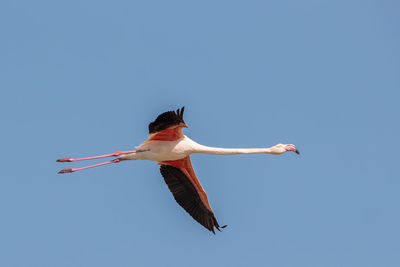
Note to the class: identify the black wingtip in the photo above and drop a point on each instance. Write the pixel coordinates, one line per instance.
(180, 112)
(218, 228)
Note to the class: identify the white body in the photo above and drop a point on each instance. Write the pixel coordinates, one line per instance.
(173, 150)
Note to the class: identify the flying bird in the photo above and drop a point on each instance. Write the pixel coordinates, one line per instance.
(171, 149)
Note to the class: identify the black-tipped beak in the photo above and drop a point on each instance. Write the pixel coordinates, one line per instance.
(297, 151)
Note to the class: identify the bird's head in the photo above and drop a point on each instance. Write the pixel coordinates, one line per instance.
(282, 148)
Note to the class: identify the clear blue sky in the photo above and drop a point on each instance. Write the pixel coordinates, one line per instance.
(81, 78)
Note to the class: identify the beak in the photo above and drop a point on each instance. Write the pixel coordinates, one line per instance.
(297, 151)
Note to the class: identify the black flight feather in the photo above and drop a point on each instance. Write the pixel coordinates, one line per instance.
(187, 197)
(166, 120)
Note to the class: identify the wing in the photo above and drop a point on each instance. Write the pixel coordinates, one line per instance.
(188, 192)
(167, 126)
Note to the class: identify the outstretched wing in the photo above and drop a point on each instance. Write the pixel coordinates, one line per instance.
(167, 126)
(188, 192)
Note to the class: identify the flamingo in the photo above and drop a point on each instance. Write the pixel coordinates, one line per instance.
(171, 149)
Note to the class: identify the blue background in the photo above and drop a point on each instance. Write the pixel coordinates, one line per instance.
(81, 78)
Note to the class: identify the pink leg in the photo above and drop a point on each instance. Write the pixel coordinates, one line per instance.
(91, 166)
(116, 154)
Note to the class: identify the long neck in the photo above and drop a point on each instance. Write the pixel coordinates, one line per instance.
(230, 151)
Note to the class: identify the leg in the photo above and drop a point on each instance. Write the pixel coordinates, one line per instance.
(115, 154)
(91, 166)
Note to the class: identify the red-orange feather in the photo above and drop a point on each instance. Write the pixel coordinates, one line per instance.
(170, 134)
